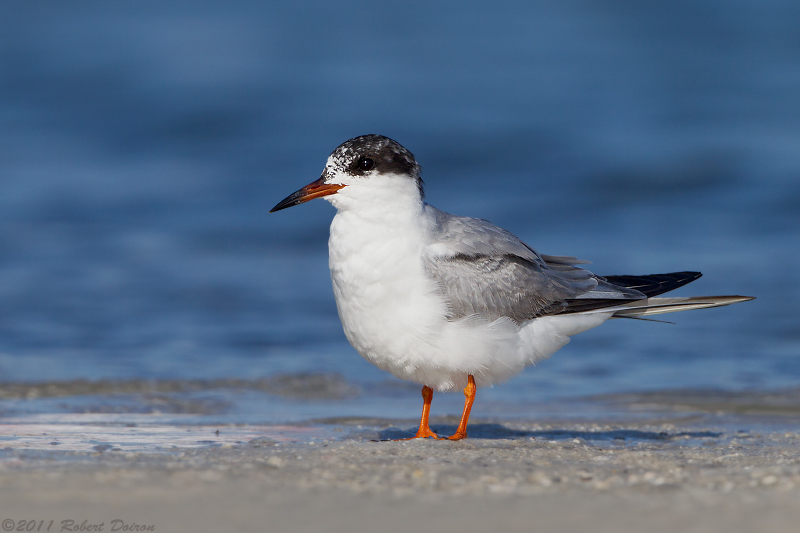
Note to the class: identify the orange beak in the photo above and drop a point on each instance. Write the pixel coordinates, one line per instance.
(317, 189)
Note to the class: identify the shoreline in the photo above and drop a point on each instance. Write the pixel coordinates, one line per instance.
(651, 475)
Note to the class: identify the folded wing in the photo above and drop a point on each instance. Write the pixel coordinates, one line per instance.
(484, 270)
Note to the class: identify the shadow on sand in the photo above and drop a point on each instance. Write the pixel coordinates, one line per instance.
(499, 431)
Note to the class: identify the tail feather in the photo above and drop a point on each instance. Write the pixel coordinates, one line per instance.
(637, 307)
(658, 306)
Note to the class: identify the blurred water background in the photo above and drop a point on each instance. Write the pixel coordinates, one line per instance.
(142, 144)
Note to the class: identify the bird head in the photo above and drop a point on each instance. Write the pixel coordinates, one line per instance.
(369, 168)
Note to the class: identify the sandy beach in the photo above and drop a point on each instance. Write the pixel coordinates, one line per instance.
(685, 474)
(172, 357)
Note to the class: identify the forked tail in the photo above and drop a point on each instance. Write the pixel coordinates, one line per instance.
(658, 306)
(650, 286)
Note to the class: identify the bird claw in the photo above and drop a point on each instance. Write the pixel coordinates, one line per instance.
(422, 434)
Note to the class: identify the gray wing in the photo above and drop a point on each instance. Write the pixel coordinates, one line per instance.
(482, 269)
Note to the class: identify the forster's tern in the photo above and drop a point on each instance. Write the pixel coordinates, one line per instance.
(455, 302)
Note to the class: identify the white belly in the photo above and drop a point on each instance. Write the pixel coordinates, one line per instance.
(394, 316)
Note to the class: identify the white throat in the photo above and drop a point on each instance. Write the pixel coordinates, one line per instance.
(385, 299)
(377, 195)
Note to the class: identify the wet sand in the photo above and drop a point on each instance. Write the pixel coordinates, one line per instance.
(687, 473)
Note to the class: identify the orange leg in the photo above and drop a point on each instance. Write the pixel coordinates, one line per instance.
(424, 431)
(469, 392)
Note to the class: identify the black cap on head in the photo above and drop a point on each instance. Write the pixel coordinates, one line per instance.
(368, 153)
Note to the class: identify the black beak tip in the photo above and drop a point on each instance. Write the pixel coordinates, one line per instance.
(289, 201)
(279, 207)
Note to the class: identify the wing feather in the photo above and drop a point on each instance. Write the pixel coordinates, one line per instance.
(484, 270)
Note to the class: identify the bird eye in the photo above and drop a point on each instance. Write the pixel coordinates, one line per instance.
(365, 164)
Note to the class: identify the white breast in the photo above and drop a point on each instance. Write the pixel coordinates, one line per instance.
(389, 308)
(395, 316)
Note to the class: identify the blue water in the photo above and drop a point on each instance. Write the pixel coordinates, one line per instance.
(141, 147)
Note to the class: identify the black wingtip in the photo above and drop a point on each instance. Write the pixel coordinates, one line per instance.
(655, 284)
